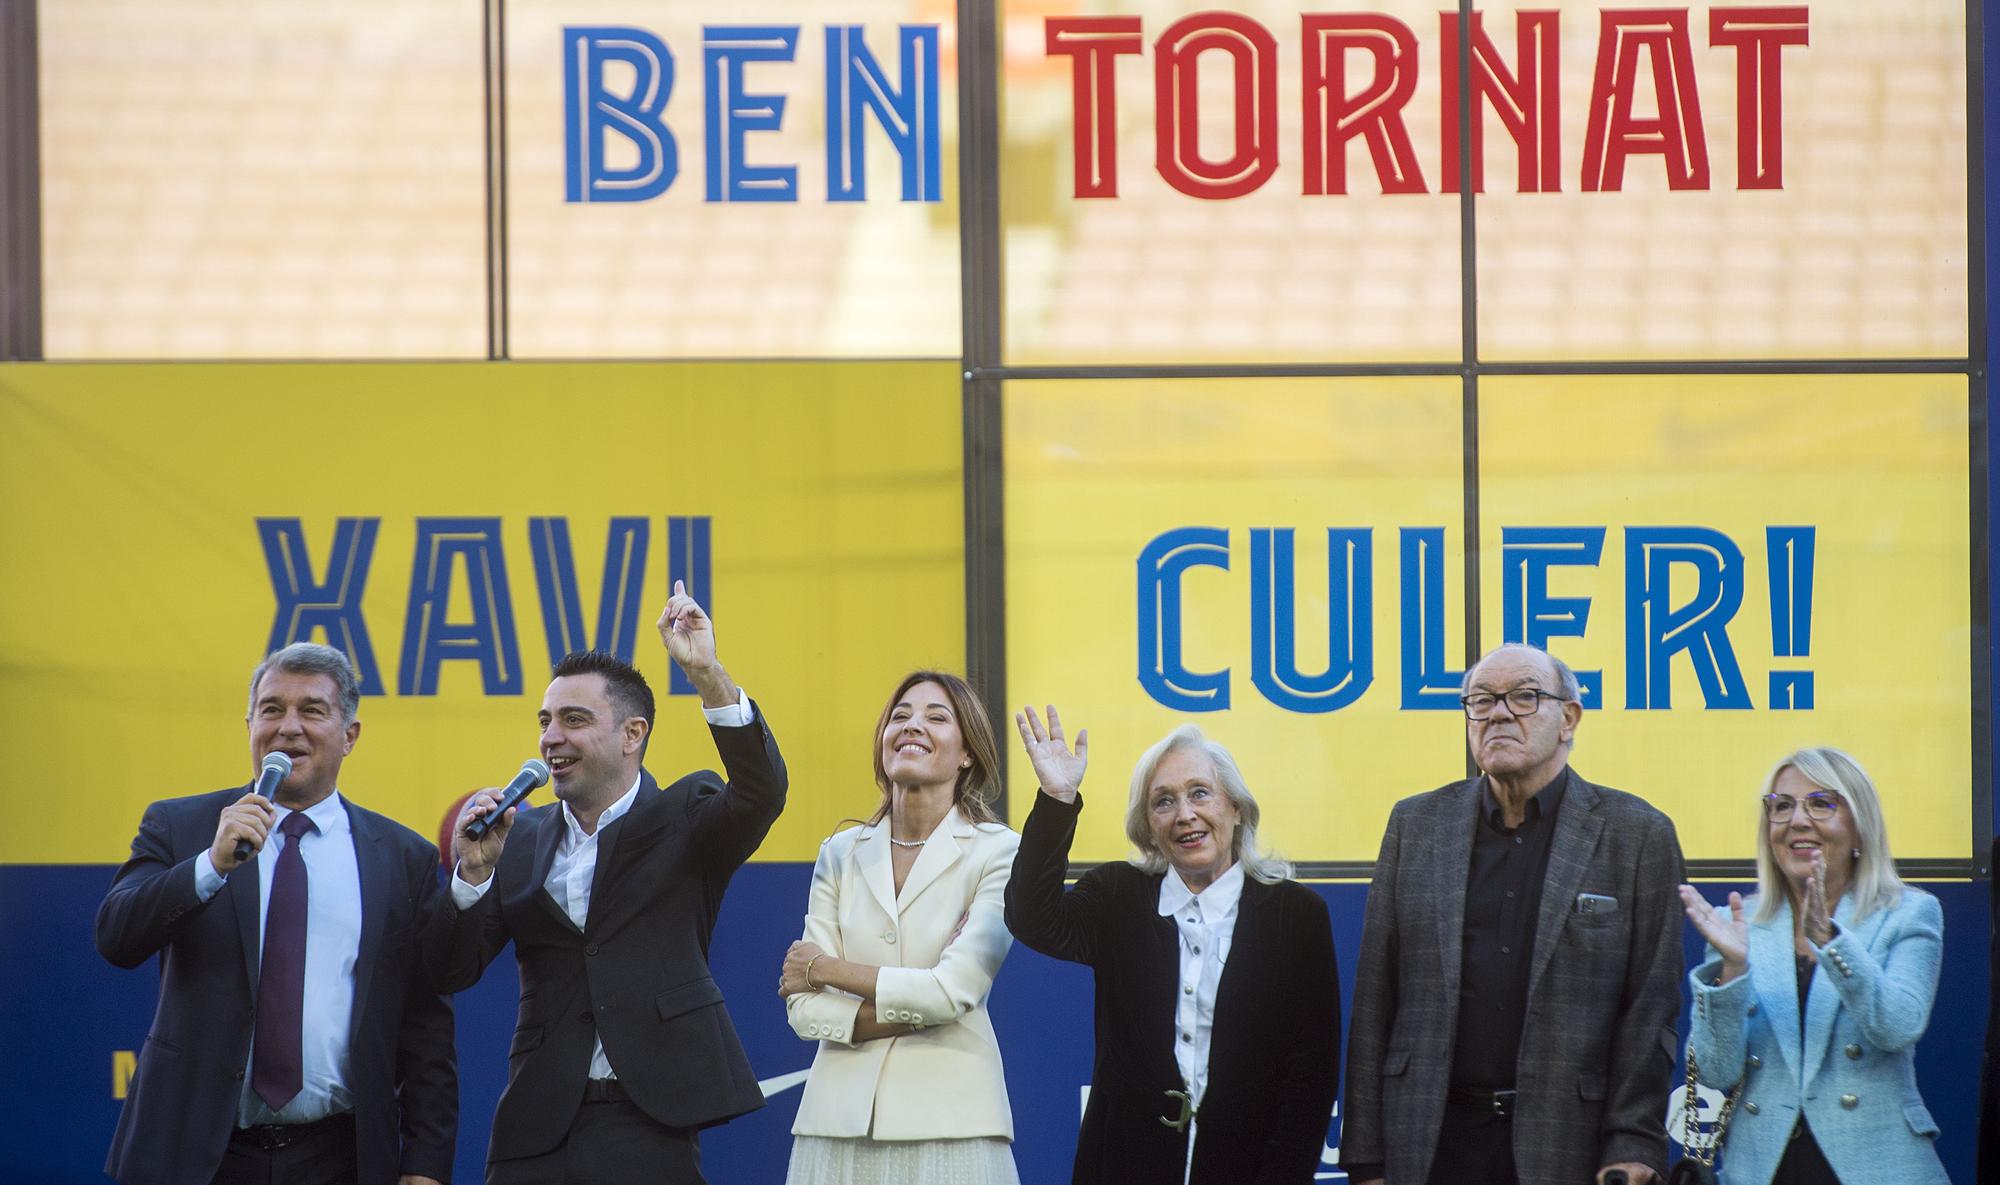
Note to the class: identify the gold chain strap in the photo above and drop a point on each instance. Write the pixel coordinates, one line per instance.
(1703, 1154)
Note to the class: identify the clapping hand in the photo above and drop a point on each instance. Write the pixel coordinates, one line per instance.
(1818, 921)
(1730, 935)
(1059, 770)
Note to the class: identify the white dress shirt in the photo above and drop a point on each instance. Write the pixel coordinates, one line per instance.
(1207, 925)
(333, 943)
(575, 867)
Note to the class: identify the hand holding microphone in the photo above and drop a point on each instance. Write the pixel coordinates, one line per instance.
(486, 819)
(246, 823)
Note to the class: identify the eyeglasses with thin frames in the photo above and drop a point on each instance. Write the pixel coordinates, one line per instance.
(1820, 806)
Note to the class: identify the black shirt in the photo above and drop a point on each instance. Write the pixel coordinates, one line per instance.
(1503, 900)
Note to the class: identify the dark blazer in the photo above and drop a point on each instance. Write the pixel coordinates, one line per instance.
(1599, 1044)
(637, 974)
(1274, 1054)
(402, 1063)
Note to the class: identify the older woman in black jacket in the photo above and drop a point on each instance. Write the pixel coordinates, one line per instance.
(1218, 994)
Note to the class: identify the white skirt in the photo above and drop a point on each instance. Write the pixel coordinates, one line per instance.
(832, 1160)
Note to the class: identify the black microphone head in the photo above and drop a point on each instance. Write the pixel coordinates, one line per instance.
(538, 769)
(280, 763)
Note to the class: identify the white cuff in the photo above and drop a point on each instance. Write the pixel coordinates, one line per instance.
(207, 881)
(734, 715)
(464, 894)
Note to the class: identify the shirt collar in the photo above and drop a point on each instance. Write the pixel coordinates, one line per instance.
(328, 815)
(1545, 801)
(1217, 901)
(611, 814)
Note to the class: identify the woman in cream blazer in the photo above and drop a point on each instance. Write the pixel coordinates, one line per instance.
(1812, 1005)
(904, 933)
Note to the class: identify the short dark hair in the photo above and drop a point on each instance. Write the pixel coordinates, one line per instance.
(627, 688)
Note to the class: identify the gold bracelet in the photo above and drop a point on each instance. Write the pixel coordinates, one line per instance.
(810, 985)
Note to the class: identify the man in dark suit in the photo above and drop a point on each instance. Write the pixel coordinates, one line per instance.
(622, 1049)
(1519, 982)
(296, 1036)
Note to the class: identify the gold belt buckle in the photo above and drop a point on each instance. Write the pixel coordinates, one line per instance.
(1187, 1111)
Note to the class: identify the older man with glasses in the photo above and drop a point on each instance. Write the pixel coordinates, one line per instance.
(1519, 981)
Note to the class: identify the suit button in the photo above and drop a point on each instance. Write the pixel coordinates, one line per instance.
(1750, 1107)
(1849, 1102)
(585, 1018)
(812, 1030)
(840, 1033)
(1853, 1052)
(1753, 1008)
(890, 938)
(239, 1075)
(1753, 1061)
(591, 949)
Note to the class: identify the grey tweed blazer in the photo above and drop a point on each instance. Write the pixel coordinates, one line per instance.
(1604, 990)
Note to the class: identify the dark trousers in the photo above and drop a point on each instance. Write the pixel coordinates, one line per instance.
(1475, 1147)
(609, 1143)
(312, 1154)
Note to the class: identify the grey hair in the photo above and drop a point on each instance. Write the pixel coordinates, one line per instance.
(311, 658)
(1874, 884)
(1268, 867)
(1566, 684)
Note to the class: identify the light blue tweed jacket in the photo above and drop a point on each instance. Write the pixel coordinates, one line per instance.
(1853, 1074)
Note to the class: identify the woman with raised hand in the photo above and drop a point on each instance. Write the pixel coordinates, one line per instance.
(1218, 994)
(903, 936)
(1815, 991)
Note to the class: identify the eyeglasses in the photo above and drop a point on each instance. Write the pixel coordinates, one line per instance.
(1522, 701)
(1819, 807)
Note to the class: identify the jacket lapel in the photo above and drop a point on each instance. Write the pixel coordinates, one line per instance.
(1570, 849)
(871, 851)
(1774, 973)
(1240, 974)
(1449, 871)
(942, 850)
(371, 862)
(1823, 1000)
(548, 837)
(644, 818)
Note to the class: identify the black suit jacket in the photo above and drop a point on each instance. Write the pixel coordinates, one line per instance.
(182, 1104)
(1604, 990)
(637, 974)
(1274, 1053)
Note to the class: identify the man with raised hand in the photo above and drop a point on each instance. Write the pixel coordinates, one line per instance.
(622, 1049)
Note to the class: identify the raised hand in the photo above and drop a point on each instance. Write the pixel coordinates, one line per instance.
(1729, 935)
(476, 857)
(1059, 770)
(248, 818)
(690, 639)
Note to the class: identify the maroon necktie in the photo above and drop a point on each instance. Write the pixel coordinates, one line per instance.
(276, 1069)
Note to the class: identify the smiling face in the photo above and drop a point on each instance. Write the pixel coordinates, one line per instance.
(921, 741)
(1527, 749)
(1192, 821)
(1795, 840)
(593, 754)
(299, 715)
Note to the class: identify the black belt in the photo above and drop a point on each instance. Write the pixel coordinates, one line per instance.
(1496, 1102)
(605, 1090)
(269, 1137)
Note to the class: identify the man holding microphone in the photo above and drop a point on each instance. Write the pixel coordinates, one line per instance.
(296, 1037)
(622, 1049)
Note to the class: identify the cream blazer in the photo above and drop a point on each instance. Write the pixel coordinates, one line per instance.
(943, 1081)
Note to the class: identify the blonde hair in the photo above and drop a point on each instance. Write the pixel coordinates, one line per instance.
(1874, 884)
(1268, 867)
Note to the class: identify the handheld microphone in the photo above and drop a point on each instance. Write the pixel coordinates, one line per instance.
(534, 773)
(277, 767)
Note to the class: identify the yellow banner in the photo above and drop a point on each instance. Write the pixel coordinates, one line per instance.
(453, 526)
(1736, 566)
